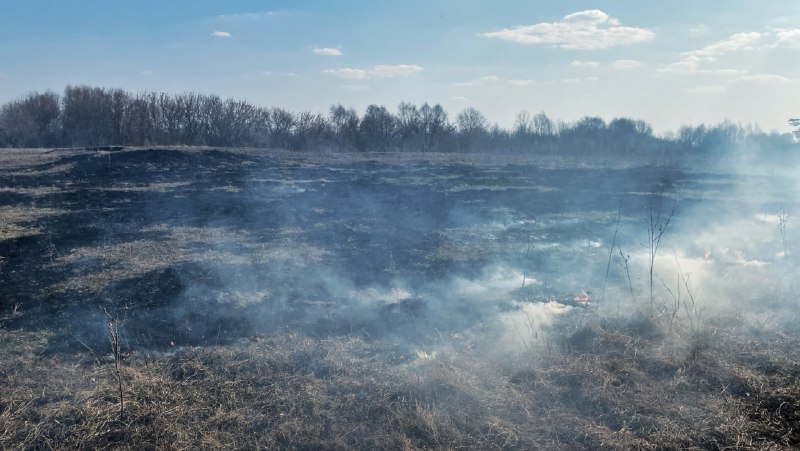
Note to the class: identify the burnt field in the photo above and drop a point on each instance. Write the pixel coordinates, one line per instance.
(265, 299)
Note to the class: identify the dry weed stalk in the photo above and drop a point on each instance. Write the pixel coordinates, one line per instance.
(656, 226)
(610, 256)
(693, 313)
(113, 332)
(625, 266)
(528, 253)
(676, 299)
(783, 218)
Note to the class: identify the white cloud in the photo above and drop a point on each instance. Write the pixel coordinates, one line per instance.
(626, 64)
(588, 64)
(734, 43)
(380, 71)
(247, 16)
(400, 70)
(700, 30)
(477, 81)
(695, 61)
(758, 78)
(349, 73)
(742, 78)
(584, 30)
(691, 67)
(220, 34)
(459, 99)
(578, 80)
(708, 89)
(357, 88)
(788, 38)
(494, 80)
(522, 82)
(268, 73)
(327, 51)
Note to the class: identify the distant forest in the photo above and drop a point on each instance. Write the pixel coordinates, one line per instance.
(91, 117)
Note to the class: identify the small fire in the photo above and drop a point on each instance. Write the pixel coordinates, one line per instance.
(583, 299)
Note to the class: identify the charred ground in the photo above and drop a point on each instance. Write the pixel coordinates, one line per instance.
(270, 299)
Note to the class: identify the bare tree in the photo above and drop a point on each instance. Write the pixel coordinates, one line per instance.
(378, 128)
(523, 125)
(433, 124)
(543, 125)
(32, 121)
(410, 127)
(344, 124)
(471, 125)
(281, 124)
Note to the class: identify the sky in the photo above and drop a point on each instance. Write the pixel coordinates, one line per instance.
(669, 63)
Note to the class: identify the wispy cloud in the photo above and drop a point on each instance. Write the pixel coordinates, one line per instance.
(357, 88)
(489, 79)
(578, 80)
(700, 30)
(736, 42)
(761, 78)
(787, 38)
(247, 16)
(522, 81)
(380, 71)
(327, 51)
(147, 73)
(696, 61)
(584, 30)
(494, 80)
(269, 73)
(702, 61)
(707, 89)
(220, 34)
(746, 78)
(626, 64)
(692, 67)
(459, 99)
(587, 64)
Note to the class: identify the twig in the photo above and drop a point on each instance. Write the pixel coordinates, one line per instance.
(113, 331)
(611, 254)
(625, 259)
(783, 218)
(656, 227)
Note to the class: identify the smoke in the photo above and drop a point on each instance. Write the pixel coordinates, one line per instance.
(428, 254)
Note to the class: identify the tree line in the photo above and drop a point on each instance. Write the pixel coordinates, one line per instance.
(86, 116)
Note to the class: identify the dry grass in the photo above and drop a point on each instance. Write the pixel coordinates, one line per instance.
(15, 221)
(587, 383)
(610, 387)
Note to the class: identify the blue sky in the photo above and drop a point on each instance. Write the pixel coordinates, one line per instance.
(668, 62)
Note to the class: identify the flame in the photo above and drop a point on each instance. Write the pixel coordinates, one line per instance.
(583, 298)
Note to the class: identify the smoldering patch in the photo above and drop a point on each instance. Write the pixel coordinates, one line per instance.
(523, 330)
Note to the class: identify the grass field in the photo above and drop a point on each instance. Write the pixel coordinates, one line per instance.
(276, 300)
